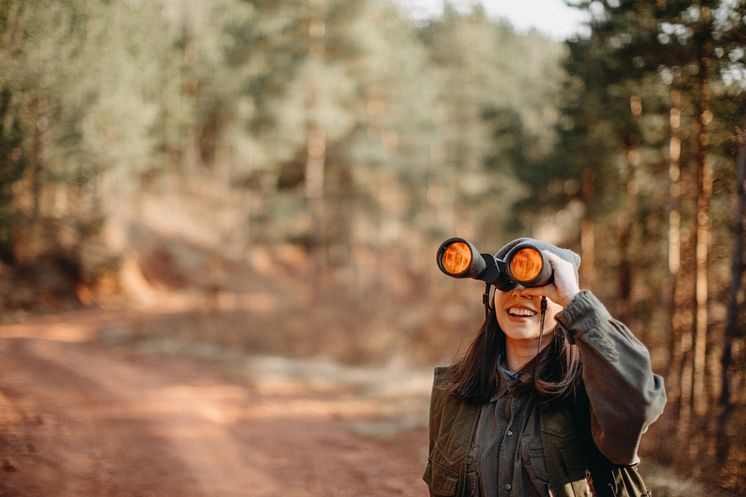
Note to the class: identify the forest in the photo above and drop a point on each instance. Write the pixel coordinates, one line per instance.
(289, 168)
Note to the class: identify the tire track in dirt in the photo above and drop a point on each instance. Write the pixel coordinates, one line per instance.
(79, 418)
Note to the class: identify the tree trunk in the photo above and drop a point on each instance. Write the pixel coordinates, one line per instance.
(702, 237)
(674, 231)
(685, 325)
(315, 170)
(35, 158)
(588, 234)
(732, 319)
(626, 230)
(624, 271)
(684, 316)
(315, 144)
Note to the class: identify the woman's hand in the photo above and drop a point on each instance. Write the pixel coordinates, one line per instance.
(565, 284)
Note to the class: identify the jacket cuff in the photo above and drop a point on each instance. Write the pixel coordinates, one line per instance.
(583, 314)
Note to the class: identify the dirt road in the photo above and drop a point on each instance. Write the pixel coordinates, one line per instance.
(79, 418)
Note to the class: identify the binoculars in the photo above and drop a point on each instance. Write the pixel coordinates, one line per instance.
(524, 264)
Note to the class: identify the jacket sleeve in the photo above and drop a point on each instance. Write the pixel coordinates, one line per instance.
(625, 395)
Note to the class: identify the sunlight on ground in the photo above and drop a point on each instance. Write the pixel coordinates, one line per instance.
(322, 374)
(58, 332)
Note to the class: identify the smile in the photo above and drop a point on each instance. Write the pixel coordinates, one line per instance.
(523, 312)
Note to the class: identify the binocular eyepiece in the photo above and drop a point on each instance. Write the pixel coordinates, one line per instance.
(524, 264)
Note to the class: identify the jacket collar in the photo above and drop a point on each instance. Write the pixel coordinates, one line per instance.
(506, 380)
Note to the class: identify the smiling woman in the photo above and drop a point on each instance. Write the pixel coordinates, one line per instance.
(534, 412)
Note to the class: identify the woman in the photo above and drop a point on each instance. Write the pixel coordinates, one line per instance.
(529, 411)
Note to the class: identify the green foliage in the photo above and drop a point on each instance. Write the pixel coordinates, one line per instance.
(494, 117)
(104, 95)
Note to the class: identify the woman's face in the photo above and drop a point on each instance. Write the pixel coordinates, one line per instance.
(519, 316)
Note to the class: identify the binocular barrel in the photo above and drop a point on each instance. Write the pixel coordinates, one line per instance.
(524, 264)
(460, 259)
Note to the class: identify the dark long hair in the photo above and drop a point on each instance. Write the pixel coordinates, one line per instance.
(474, 377)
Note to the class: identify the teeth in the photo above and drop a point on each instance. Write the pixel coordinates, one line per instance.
(517, 311)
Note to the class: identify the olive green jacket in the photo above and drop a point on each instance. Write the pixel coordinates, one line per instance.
(597, 433)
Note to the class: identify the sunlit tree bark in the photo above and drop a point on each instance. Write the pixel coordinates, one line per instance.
(674, 230)
(702, 236)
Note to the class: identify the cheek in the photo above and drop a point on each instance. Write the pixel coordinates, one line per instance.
(502, 320)
(501, 298)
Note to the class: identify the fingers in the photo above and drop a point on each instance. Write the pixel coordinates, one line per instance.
(565, 284)
(565, 281)
(555, 261)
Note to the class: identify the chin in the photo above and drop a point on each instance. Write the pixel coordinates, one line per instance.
(523, 335)
(519, 331)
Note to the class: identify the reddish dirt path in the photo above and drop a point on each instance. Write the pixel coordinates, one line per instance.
(78, 418)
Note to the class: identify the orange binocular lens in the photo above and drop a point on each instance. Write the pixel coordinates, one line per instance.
(526, 264)
(456, 258)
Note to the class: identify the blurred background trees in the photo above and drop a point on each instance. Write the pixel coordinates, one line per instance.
(319, 150)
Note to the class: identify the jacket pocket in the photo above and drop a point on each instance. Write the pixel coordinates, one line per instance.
(472, 482)
(440, 480)
(535, 463)
(535, 466)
